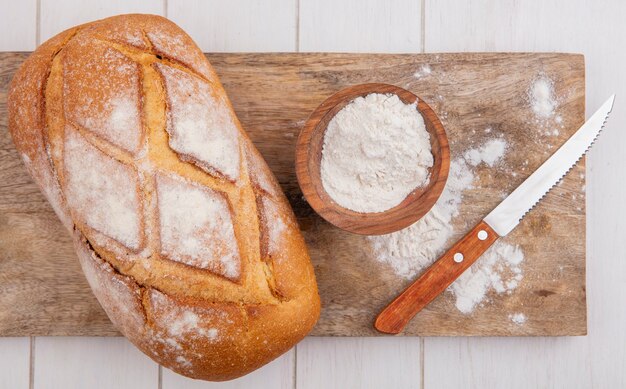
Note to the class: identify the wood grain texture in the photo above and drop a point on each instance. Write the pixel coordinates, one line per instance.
(434, 280)
(595, 29)
(45, 293)
(95, 363)
(19, 25)
(309, 157)
(339, 363)
(14, 362)
(360, 26)
(275, 375)
(59, 15)
(237, 25)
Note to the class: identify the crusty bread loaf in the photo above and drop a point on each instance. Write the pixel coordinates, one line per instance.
(181, 229)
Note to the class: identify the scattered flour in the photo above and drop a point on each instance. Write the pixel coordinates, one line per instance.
(411, 250)
(376, 151)
(423, 71)
(472, 286)
(182, 361)
(518, 318)
(489, 153)
(541, 96)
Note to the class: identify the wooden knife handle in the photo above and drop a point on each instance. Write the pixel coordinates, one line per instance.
(436, 279)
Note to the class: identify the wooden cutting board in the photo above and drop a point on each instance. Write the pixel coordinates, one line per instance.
(43, 292)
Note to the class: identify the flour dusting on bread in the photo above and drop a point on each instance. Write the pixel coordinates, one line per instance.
(259, 173)
(126, 128)
(123, 118)
(134, 38)
(93, 190)
(200, 124)
(119, 295)
(180, 47)
(180, 329)
(196, 227)
(189, 322)
(106, 99)
(275, 226)
(181, 321)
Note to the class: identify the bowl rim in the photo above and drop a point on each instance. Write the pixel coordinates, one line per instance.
(408, 211)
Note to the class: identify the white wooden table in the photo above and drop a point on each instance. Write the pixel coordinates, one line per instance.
(595, 28)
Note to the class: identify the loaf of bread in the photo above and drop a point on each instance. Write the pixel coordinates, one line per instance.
(180, 228)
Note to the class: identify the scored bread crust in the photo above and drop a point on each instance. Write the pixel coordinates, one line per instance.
(181, 229)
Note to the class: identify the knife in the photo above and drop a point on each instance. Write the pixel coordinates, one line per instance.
(498, 223)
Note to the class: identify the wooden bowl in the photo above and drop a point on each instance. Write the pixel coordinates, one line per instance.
(411, 209)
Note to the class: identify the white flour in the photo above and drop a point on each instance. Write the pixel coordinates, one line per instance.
(196, 227)
(200, 125)
(541, 95)
(411, 250)
(518, 318)
(100, 202)
(423, 71)
(497, 269)
(376, 151)
(489, 153)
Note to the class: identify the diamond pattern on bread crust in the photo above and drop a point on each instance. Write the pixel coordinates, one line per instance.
(196, 227)
(181, 229)
(178, 46)
(179, 123)
(200, 126)
(102, 94)
(97, 200)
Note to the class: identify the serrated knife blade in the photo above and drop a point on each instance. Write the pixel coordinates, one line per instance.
(498, 223)
(509, 212)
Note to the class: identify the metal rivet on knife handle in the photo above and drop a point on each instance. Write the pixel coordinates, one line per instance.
(435, 280)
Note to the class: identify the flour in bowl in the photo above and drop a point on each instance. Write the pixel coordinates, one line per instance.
(376, 152)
